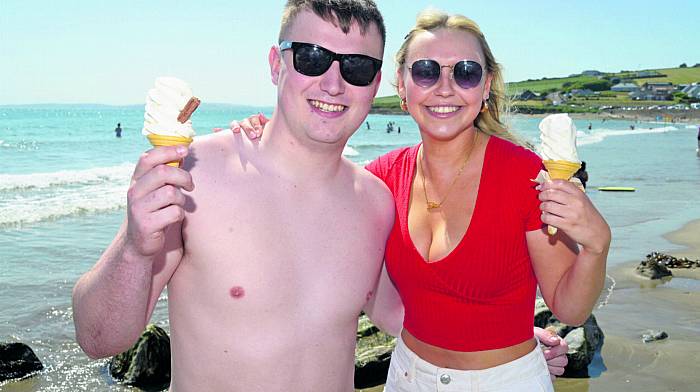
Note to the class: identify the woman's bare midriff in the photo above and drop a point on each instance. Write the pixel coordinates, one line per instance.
(460, 360)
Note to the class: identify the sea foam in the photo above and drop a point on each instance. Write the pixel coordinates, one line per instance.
(31, 198)
(599, 135)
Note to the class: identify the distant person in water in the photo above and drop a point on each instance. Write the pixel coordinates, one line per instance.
(118, 130)
(590, 126)
(582, 174)
(367, 122)
(632, 127)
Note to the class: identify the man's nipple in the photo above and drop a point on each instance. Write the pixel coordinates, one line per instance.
(236, 292)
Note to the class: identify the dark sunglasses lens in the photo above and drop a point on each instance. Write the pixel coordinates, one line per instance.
(467, 74)
(358, 70)
(311, 60)
(425, 72)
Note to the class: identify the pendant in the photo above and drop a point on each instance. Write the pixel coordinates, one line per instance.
(432, 205)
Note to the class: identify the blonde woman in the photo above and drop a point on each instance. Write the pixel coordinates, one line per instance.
(468, 250)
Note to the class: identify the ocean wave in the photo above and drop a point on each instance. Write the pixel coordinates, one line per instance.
(39, 197)
(14, 182)
(601, 134)
(350, 152)
(22, 210)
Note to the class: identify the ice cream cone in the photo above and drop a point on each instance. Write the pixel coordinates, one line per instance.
(560, 170)
(160, 141)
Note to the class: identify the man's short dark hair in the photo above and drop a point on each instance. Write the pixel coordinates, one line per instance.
(341, 13)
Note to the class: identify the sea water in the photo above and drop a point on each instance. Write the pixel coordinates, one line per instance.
(64, 175)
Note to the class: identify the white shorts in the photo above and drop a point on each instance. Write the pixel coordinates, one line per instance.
(409, 373)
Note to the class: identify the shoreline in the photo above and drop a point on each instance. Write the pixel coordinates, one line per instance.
(638, 304)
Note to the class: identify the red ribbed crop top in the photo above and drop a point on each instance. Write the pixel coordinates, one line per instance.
(480, 296)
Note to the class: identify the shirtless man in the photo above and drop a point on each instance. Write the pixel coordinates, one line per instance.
(252, 313)
(257, 313)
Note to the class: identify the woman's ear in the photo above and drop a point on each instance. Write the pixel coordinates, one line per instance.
(400, 83)
(487, 87)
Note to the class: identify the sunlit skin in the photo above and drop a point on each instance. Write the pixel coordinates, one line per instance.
(307, 97)
(447, 47)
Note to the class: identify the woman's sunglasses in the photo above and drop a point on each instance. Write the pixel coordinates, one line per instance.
(314, 60)
(466, 73)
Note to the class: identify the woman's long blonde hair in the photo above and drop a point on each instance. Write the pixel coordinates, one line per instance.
(489, 121)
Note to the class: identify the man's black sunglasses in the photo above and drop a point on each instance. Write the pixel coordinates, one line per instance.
(314, 60)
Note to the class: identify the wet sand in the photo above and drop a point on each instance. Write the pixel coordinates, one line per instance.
(635, 306)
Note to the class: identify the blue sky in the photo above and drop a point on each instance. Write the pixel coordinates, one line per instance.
(110, 52)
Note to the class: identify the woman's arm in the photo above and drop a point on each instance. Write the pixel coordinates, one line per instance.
(570, 266)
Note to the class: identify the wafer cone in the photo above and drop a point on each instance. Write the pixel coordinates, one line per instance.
(560, 170)
(161, 140)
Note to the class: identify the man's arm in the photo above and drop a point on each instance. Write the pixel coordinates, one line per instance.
(114, 300)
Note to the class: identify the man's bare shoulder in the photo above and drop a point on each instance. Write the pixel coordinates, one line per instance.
(375, 190)
(214, 151)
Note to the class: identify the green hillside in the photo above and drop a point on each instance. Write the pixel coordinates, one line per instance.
(546, 84)
(678, 75)
(673, 75)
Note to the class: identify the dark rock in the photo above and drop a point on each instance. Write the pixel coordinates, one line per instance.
(668, 261)
(583, 344)
(372, 355)
(17, 360)
(146, 364)
(652, 268)
(651, 335)
(580, 354)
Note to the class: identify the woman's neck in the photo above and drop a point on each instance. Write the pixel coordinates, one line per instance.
(443, 157)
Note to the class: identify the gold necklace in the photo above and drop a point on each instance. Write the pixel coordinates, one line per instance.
(431, 205)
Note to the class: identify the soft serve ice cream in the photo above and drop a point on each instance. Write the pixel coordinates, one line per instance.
(169, 106)
(558, 135)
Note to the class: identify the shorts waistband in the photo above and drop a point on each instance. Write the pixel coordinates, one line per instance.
(527, 366)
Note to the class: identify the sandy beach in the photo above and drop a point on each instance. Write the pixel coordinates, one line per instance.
(636, 305)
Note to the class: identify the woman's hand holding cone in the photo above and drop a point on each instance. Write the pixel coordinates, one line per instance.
(566, 207)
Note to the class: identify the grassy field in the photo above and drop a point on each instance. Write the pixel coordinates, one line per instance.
(545, 84)
(678, 75)
(386, 103)
(673, 75)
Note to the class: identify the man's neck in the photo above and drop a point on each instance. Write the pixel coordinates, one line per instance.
(298, 157)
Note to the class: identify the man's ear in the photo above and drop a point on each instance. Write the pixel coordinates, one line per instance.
(275, 60)
(377, 81)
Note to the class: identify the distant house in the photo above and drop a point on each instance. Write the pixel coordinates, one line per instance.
(692, 90)
(527, 95)
(584, 92)
(655, 92)
(591, 73)
(625, 87)
(556, 98)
